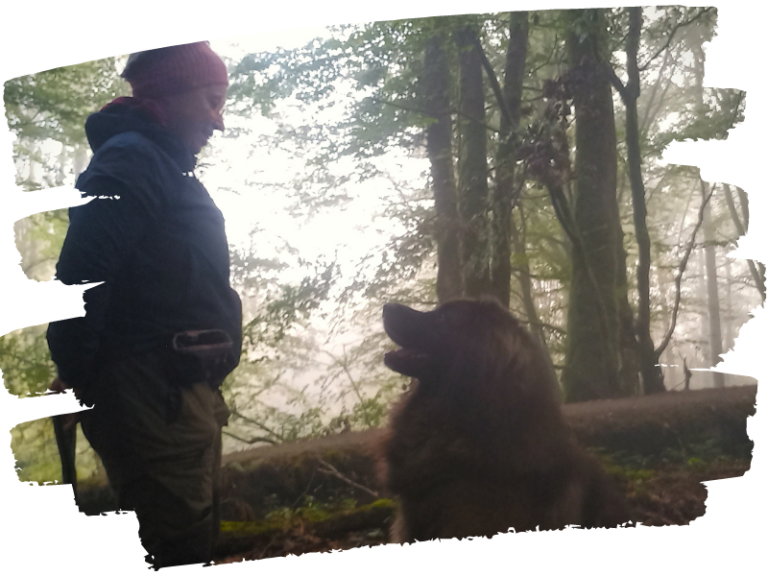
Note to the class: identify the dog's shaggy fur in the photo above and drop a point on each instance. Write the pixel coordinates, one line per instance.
(478, 445)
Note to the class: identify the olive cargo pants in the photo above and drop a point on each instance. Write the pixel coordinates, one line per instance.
(161, 447)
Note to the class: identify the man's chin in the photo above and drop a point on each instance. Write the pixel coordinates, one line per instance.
(203, 145)
(195, 149)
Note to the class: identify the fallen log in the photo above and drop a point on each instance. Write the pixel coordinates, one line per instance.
(652, 431)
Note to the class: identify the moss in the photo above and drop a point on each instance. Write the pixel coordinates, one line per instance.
(254, 528)
(380, 503)
(312, 513)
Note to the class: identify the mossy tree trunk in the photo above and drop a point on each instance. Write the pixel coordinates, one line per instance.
(591, 365)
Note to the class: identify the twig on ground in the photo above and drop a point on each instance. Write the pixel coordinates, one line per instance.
(330, 470)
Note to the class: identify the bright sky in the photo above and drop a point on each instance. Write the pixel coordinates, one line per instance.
(349, 232)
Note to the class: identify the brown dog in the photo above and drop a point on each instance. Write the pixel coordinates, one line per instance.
(478, 445)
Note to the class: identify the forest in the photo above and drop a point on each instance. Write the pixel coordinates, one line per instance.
(513, 155)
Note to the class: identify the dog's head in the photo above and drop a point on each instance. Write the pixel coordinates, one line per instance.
(467, 339)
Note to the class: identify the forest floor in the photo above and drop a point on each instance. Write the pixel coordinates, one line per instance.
(659, 448)
(657, 498)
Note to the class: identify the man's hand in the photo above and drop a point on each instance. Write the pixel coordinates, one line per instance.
(69, 420)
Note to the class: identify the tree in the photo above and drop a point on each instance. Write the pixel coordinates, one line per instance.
(591, 363)
(436, 83)
(473, 167)
(505, 194)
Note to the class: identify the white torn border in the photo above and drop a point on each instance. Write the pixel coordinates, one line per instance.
(42, 530)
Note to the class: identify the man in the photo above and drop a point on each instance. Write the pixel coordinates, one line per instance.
(164, 328)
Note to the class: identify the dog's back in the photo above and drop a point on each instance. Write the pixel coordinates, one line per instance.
(478, 444)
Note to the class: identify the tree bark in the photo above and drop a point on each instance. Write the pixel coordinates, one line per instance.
(653, 379)
(473, 168)
(436, 85)
(503, 197)
(591, 363)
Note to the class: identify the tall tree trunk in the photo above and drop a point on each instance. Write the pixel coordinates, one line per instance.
(591, 363)
(436, 85)
(713, 299)
(503, 197)
(473, 167)
(710, 256)
(653, 379)
(701, 297)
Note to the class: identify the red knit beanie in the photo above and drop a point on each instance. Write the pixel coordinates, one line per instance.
(173, 70)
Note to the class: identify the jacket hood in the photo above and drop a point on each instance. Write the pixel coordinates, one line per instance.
(127, 116)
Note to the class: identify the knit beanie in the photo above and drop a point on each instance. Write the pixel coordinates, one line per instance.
(173, 70)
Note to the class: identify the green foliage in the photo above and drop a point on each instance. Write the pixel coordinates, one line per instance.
(713, 119)
(291, 305)
(41, 464)
(37, 455)
(54, 104)
(26, 362)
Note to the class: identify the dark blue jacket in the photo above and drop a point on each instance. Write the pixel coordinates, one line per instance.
(153, 236)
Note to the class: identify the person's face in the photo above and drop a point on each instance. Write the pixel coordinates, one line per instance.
(193, 116)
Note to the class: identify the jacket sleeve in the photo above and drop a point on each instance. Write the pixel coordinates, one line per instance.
(101, 236)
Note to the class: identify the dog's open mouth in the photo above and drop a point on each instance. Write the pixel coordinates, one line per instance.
(408, 362)
(413, 332)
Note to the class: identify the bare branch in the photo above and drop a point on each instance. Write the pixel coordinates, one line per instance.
(256, 423)
(330, 470)
(672, 35)
(251, 440)
(740, 230)
(616, 81)
(680, 271)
